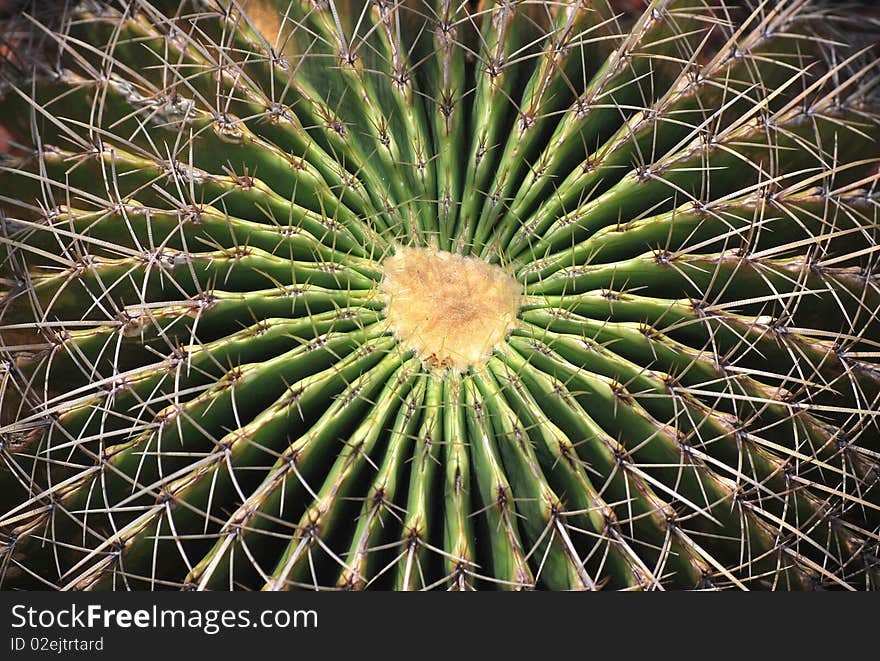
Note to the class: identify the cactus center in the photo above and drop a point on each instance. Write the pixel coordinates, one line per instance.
(450, 309)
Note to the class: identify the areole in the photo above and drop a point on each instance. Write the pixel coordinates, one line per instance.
(452, 310)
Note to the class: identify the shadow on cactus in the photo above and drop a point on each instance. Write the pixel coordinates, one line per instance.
(440, 295)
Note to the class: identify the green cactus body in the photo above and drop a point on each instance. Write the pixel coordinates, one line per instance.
(423, 295)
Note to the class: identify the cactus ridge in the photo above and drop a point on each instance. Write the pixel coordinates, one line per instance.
(200, 384)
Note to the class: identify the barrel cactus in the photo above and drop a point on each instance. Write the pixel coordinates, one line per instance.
(429, 294)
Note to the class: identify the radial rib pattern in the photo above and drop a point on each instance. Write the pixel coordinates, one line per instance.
(201, 388)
